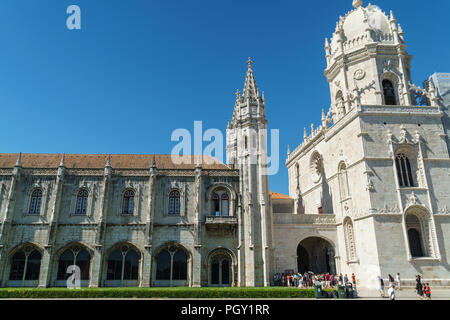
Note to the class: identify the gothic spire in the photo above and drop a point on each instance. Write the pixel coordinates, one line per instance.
(250, 88)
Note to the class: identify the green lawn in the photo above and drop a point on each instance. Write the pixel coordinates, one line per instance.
(178, 292)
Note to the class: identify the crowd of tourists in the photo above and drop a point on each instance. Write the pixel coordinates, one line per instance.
(423, 290)
(327, 280)
(308, 279)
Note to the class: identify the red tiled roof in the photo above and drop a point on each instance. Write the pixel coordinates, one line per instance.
(97, 161)
(276, 195)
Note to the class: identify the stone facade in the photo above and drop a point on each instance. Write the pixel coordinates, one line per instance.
(378, 166)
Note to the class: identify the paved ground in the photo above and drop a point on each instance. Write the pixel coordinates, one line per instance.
(408, 294)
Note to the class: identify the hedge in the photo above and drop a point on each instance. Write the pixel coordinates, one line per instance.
(180, 292)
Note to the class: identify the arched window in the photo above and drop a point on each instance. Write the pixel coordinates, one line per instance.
(171, 264)
(220, 269)
(215, 206)
(340, 104)
(413, 226)
(404, 173)
(25, 264)
(220, 203)
(350, 240)
(36, 201)
(76, 255)
(174, 203)
(343, 181)
(123, 264)
(128, 202)
(389, 93)
(82, 199)
(225, 203)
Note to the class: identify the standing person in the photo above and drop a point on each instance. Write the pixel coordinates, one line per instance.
(354, 279)
(345, 279)
(340, 279)
(391, 293)
(391, 280)
(428, 291)
(419, 289)
(398, 281)
(381, 286)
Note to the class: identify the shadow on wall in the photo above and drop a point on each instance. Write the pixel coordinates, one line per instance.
(327, 198)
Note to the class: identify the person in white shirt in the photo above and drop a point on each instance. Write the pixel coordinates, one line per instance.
(391, 293)
(398, 281)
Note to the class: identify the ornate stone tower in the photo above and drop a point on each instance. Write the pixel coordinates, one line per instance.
(247, 151)
(367, 62)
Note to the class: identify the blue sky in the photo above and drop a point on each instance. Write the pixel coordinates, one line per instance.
(140, 69)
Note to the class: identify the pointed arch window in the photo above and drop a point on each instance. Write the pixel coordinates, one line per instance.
(75, 255)
(171, 264)
(174, 203)
(128, 202)
(404, 172)
(25, 264)
(82, 199)
(414, 227)
(389, 93)
(36, 201)
(123, 264)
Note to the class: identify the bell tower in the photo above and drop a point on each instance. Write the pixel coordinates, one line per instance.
(247, 151)
(367, 61)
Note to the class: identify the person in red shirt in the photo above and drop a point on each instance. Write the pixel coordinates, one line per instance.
(353, 279)
(428, 291)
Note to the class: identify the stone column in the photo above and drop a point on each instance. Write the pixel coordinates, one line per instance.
(146, 267)
(197, 253)
(47, 262)
(45, 272)
(148, 256)
(97, 261)
(9, 215)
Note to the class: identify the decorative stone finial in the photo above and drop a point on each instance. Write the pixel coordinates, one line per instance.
(289, 150)
(154, 162)
(63, 158)
(357, 3)
(249, 62)
(108, 162)
(19, 160)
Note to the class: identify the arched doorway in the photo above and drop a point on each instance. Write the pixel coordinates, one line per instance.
(316, 255)
(221, 271)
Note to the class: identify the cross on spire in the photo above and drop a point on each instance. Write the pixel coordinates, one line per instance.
(250, 88)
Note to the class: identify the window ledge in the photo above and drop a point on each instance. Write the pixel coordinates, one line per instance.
(412, 189)
(424, 259)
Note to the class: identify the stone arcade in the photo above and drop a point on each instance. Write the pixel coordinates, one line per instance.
(368, 190)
